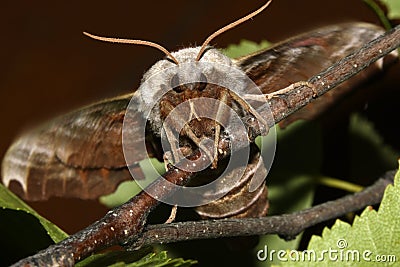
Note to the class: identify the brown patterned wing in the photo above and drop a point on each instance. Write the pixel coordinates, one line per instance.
(304, 56)
(76, 155)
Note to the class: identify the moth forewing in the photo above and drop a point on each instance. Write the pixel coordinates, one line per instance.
(76, 155)
(303, 56)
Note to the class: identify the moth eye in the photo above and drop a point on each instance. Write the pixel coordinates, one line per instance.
(202, 83)
(175, 84)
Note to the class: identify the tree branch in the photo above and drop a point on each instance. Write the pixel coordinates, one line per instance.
(287, 225)
(123, 223)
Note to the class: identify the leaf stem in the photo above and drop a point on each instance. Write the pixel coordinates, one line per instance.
(380, 13)
(339, 184)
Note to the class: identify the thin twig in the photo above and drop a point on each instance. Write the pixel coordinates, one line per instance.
(131, 217)
(287, 225)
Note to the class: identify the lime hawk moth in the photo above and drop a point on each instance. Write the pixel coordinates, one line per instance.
(81, 154)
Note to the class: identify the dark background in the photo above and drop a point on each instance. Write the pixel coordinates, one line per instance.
(49, 67)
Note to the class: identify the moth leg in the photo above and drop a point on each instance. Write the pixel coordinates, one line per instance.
(282, 91)
(168, 128)
(168, 157)
(172, 216)
(223, 100)
(193, 112)
(174, 148)
(187, 131)
(249, 109)
(290, 88)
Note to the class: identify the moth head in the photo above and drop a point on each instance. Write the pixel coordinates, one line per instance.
(189, 75)
(180, 79)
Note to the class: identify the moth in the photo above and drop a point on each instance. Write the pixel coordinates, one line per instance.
(81, 154)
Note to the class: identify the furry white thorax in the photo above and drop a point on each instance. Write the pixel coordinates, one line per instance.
(157, 80)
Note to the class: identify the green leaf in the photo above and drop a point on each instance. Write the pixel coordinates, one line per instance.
(10, 201)
(245, 47)
(340, 184)
(152, 169)
(393, 7)
(379, 12)
(373, 234)
(23, 231)
(134, 259)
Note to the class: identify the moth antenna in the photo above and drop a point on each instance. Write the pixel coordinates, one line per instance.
(228, 27)
(136, 42)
